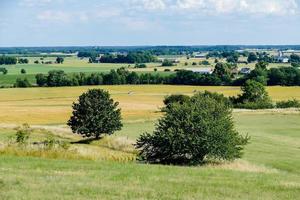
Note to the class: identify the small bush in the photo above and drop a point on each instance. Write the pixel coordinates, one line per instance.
(142, 65)
(23, 134)
(167, 70)
(167, 63)
(288, 104)
(23, 71)
(22, 83)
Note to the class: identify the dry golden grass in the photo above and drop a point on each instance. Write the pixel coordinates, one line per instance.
(53, 105)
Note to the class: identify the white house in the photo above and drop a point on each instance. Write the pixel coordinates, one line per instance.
(201, 71)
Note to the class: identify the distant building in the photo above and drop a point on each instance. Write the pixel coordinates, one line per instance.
(281, 58)
(245, 70)
(200, 56)
(201, 71)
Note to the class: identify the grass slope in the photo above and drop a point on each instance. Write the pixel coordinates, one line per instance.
(269, 170)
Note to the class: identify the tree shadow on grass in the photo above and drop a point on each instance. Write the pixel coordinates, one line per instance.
(85, 141)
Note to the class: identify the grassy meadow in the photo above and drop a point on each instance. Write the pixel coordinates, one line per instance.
(269, 169)
(106, 169)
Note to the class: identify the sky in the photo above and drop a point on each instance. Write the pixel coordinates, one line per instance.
(148, 22)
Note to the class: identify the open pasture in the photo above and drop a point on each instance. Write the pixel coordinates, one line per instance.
(269, 169)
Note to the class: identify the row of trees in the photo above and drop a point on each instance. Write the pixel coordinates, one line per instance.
(8, 60)
(136, 57)
(222, 75)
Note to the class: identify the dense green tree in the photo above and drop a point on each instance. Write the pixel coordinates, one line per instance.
(60, 60)
(22, 83)
(191, 132)
(252, 57)
(41, 80)
(23, 71)
(95, 114)
(254, 96)
(3, 70)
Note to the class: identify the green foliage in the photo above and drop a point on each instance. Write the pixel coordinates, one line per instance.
(254, 96)
(3, 70)
(167, 63)
(141, 65)
(193, 131)
(95, 114)
(252, 57)
(23, 134)
(204, 62)
(288, 104)
(8, 60)
(175, 98)
(23, 71)
(224, 71)
(22, 83)
(23, 61)
(60, 60)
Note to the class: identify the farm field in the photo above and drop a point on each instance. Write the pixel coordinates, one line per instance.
(138, 102)
(268, 170)
(105, 169)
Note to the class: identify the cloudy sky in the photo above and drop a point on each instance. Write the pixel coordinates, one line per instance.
(148, 22)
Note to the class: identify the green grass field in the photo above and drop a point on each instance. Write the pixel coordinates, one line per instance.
(270, 168)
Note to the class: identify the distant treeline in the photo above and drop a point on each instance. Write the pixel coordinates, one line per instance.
(156, 50)
(8, 60)
(136, 57)
(276, 76)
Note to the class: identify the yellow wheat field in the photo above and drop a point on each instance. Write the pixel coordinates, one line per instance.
(138, 102)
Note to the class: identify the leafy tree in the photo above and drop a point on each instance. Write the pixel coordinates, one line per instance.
(254, 96)
(59, 60)
(167, 63)
(294, 58)
(23, 61)
(57, 78)
(175, 98)
(22, 83)
(223, 71)
(189, 133)
(252, 57)
(3, 70)
(95, 114)
(41, 80)
(23, 71)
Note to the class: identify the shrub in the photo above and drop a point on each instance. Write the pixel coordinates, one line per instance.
(95, 114)
(167, 63)
(288, 104)
(167, 70)
(23, 134)
(23, 71)
(142, 65)
(175, 98)
(22, 83)
(254, 96)
(191, 132)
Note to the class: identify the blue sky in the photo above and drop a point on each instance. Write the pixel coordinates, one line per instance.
(148, 22)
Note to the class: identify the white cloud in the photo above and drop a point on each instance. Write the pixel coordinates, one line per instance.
(55, 16)
(276, 7)
(32, 3)
(269, 7)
